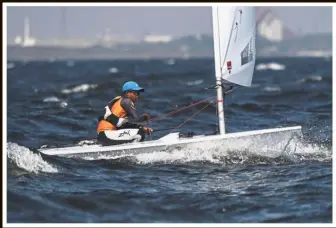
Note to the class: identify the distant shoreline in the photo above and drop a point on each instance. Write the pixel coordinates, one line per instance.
(184, 48)
(260, 58)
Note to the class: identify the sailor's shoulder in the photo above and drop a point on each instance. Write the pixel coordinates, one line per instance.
(128, 102)
(115, 99)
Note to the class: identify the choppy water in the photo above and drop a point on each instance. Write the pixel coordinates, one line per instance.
(57, 103)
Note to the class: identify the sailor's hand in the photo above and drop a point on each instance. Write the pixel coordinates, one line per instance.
(148, 130)
(146, 116)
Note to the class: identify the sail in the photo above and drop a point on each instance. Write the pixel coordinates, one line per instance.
(236, 30)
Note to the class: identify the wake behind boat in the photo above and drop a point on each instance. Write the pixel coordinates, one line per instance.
(234, 31)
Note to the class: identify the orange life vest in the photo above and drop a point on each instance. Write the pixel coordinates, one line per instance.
(117, 111)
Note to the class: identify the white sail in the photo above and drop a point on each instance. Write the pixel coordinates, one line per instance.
(236, 30)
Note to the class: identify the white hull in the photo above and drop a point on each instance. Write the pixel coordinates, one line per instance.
(277, 138)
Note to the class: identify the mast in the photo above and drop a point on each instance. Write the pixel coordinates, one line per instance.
(220, 101)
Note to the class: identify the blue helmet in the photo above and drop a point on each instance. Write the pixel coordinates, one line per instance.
(132, 86)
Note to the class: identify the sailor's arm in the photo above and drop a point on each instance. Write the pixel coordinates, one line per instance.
(132, 115)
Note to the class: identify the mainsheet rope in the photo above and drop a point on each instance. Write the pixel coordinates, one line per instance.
(210, 100)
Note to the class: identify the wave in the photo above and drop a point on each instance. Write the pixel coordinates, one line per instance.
(10, 66)
(270, 66)
(113, 70)
(54, 99)
(70, 63)
(51, 99)
(79, 88)
(196, 82)
(312, 78)
(27, 160)
(170, 62)
(272, 89)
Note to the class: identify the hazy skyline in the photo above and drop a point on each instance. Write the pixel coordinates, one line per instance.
(46, 22)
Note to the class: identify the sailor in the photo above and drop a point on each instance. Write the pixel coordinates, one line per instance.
(120, 122)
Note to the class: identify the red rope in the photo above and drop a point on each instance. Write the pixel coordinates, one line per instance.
(191, 117)
(200, 111)
(189, 106)
(181, 109)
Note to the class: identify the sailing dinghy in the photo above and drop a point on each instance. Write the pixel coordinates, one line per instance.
(234, 31)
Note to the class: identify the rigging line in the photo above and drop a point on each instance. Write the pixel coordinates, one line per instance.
(190, 105)
(183, 108)
(192, 116)
(180, 109)
(219, 47)
(231, 89)
(227, 48)
(226, 92)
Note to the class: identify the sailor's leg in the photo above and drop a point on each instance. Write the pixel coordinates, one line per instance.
(115, 137)
(105, 141)
(142, 134)
(135, 126)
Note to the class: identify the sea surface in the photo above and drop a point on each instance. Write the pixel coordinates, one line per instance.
(56, 103)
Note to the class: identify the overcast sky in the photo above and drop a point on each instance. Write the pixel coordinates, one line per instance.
(46, 22)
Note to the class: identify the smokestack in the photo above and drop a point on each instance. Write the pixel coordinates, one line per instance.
(26, 29)
(63, 26)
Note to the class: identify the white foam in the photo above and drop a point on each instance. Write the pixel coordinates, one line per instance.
(205, 151)
(272, 89)
(270, 146)
(27, 160)
(62, 104)
(10, 66)
(51, 99)
(215, 152)
(113, 70)
(180, 156)
(80, 88)
(196, 82)
(308, 148)
(270, 66)
(86, 142)
(170, 62)
(315, 78)
(261, 66)
(70, 63)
